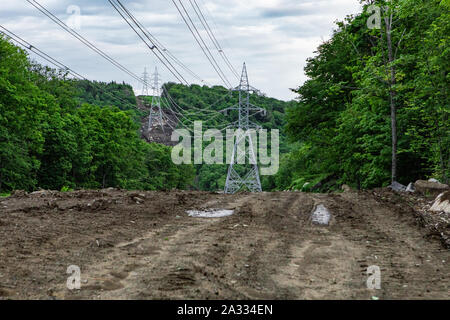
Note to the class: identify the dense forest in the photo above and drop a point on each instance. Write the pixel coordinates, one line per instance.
(374, 110)
(51, 138)
(367, 86)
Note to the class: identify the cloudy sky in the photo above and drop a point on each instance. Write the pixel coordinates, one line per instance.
(273, 37)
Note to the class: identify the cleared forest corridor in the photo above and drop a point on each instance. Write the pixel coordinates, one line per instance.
(143, 245)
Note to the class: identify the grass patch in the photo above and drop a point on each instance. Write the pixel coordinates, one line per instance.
(4, 195)
(66, 189)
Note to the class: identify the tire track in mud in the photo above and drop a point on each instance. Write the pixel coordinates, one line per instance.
(410, 264)
(269, 249)
(318, 261)
(195, 258)
(136, 268)
(237, 257)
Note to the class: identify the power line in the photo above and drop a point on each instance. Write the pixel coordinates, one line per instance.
(175, 109)
(200, 110)
(160, 46)
(83, 40)
(213, 38)
(28, 46)
(204, 47)
(40, 53)
(216, 27)
(153, 46)
(180, 111)
(121, 9)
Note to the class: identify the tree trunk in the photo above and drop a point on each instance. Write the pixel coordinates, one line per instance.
(392, 99)
(444, 154)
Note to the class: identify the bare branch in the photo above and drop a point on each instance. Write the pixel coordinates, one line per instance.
(390, 19)
(398, 44)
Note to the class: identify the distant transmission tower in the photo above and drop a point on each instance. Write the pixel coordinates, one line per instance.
(156, 115)
(145, 85)
(246, 172)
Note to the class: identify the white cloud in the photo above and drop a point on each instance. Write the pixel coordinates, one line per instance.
(274, 37)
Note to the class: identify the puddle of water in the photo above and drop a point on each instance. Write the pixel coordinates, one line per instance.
(212, 213)
(321, 215)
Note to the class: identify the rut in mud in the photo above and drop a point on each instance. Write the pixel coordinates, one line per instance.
(143, 245)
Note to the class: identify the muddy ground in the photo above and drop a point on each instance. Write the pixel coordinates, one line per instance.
(143, 245)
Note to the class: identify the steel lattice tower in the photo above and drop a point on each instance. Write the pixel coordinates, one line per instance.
(156, 115)
(145, 84)
(243, 170)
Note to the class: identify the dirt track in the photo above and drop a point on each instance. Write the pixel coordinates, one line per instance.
(142, 245)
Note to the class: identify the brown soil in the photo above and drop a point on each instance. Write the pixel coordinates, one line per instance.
(142, 245)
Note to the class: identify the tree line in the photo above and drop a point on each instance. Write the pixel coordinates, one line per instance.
(375, 107)
(58, 133)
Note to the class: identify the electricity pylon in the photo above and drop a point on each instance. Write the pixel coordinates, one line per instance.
(156, 115)
(145, 83)
(243, 169)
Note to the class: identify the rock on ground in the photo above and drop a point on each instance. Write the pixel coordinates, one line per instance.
(430, 188)
(410, 187)
(442, 203)
(397, 186)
